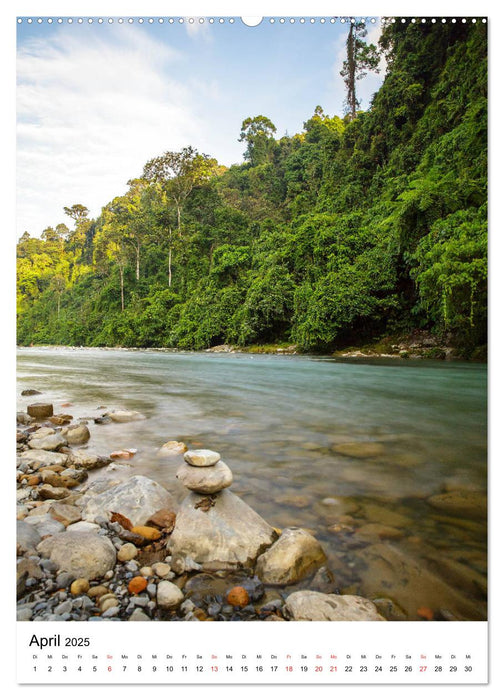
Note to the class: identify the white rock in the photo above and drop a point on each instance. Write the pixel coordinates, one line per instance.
(168, 595)
(312, 605)
(201, 458)
(208, 480)
(172, 447)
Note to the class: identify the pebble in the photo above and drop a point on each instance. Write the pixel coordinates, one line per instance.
(79, 586)
(137, 584)
(161, 569)
(127, 551)
(111, 612)
(109, 603)
(138, 616)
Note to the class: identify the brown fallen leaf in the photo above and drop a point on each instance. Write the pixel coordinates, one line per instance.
(121, 519)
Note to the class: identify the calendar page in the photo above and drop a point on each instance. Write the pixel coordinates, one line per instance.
(251, 347)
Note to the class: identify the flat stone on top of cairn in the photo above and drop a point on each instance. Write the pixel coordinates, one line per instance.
(201, 458)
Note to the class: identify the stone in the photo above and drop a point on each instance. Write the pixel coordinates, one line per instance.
(121, 416)
(163, 519)
(238, 597)
(360, 450)
(26, 568)
(390, 610)
(377, 531)
(97, 591)
(110, 603)
(87, 460)
(128, 551)
(42, 458)
(208, 480)
(77, 434)
(45, 524)
(161, 569)
(43, 432)
(53, 492)
(61, 419)
(137, 498)
(168, 595)
(468, 504)
(40, 410)
(122, 454)
(30, 392)
(138, 616)
(150, 533)
(83, 526)
(85, 555)
(226, 534)
(48, 442)
(79, 586)
(27, 536)
(170, 448)
(23, 418)
(312, 605)
(77, 475)
(293, 556)
(201, 458)
(137, 584)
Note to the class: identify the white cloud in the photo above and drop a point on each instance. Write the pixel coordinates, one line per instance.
(91, 112)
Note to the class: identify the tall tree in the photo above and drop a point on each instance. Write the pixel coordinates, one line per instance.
(179, 172)
(361, 57)
(257, 132)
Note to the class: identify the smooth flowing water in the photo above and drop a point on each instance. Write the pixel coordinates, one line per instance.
(351, 450)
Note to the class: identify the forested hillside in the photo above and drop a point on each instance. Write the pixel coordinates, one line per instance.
(350, 230)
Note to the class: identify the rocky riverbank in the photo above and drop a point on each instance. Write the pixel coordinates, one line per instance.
(119, 547)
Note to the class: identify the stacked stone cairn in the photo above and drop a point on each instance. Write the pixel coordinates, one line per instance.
(214, 527)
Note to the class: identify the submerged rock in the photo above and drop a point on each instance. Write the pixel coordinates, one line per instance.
(172, 447)
(293, 556)
(469, 504)
(220, 531)
(360, 450)
(122, 416)
(137, 499)
(312, 605)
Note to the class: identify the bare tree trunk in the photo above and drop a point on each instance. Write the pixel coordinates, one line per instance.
(138, 262)
(169, 267)
(59, 302)
(352, 97)
(121, 275)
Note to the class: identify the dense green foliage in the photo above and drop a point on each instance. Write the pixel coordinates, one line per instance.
(350, 230)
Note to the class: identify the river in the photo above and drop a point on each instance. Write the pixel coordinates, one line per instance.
(292, 429)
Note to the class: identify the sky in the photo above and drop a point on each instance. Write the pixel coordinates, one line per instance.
(95, 101)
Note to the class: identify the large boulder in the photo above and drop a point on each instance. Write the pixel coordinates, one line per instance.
(293, 556)
(27, 537)
(137, 498)
(312, 605)
(219, 531)
(82, 554)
